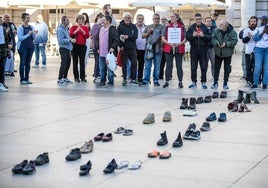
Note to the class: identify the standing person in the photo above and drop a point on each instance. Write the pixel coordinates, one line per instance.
(108, 42)
(164, 22)
(95, 45)
(3, 54)
(40, 41)
(26, 36)
(12, 31)
(210, 52)
(107, 11)
(140, 43)
(261, 56)
(224, 40)
(128, 33)
(152, 33)
(65, 48)
(247, 39)
(87, 23)
(243, 59)
(214, 18)
(198, 36)
(80, 32)
(172, 50)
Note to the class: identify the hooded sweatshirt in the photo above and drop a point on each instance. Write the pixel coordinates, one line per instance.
(63, 37)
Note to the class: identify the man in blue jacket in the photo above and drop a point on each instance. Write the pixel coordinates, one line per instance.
(40, 41)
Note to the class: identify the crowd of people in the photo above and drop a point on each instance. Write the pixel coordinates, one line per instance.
(139, 46)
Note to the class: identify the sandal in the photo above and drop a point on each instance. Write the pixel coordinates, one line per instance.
(119, 130)
(153, 154)
(164, 155)
(128, 132)
(136, 165)
(122, 164)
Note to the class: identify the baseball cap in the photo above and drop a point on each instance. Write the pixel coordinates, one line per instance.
(264, 17)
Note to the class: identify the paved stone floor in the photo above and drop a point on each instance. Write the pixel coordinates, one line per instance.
(44, 117)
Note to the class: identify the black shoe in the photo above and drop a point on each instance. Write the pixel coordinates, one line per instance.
(76, 80)
(73, 155)
(223, 94)
(247, 99)
(163, 140)
(195, 135)
(184, 103)
(156, 84)
(264, 87)
(110, 167)
(211, 117)
(84, 169)
(178, 142)
(29, 168)
(215, 95)
(199, 100)
(189, 130)
(207, 99)
(254, 86)
(205, 126)
(42, 159)
(166, 85)
(180, 85)
(192, 104)
(4, 84)
(83, 80)
(17, 169)
(222, 117)
(253, 97)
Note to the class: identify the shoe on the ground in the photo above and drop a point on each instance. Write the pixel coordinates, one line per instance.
(205, 126)
(211, 117)
(166, 84)
(253, 96)
(73, 155)
(223, 94)
(17, 169)
(149, 119)
(87, 147)
(199, 100)
(180, 85)
(35, 66)
(240, 97)
(108, 137)
(215, 95)
(128, 132)
(119, 130)
(195, 135)
(204, 85)
(2, 88)
(190, 113)
(42, 159)
(23, 82)
(192, 104)
(207, 99)
(61, 82)
(184, 103)
(222, 117)
(156, 84)
(163, 140)
(124, 83)
(192, 85)
(233, 106)
(225, 86)
(178, 142)
(29, 82)
(165, 155)
(99, 137)
(153, 154)
(167, 117)
(84, 169)
(110, 167)
(214, 86)
(189, 130)
(29, 168)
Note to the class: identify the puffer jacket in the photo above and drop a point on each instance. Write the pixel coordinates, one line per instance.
(132, 32)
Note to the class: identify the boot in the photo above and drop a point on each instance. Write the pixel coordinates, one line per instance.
(240, 97)
(253, 97)
(163, 141)
(192, 104)
(247, 98)
(178, 142)
(184, 103)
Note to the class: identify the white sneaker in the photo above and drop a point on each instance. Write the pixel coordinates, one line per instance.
(43, 67)
(2, 88)
(67, 81)
(61, 82)
(35, 66)
(190, 113)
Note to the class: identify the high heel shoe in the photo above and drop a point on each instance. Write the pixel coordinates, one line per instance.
(245, 107)
(84, 169)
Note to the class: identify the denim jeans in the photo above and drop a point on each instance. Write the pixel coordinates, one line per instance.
(96, 66)
(148, 65)
(37, 50)
(25, 62)
(103, 71)
(261, 62)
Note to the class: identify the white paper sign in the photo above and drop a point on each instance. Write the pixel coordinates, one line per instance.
(174, 35)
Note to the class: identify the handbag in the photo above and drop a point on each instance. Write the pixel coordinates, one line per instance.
(119, 59)
(111, 61)
(149, 52)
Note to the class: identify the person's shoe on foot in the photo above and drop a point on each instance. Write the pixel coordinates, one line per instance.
(192, 85)
(214, 86)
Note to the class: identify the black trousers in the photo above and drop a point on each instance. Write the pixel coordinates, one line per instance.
(199, 55)
(140, 58)
(2, 69)
(169, 67)
(250, 63)
(227, 68)
(132, 56)
(78, 53)
(65, 63)
(162, 66)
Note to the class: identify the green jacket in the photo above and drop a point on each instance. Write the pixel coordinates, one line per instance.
(3, 47)
(230, 39)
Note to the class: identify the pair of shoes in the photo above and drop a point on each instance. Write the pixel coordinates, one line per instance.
(105, 138)
(125, 132)
(214, 86)
(215, 95)
(190, 113)
(73, 155)
(223, 94)
(180, 85)
(87, 147)
(204, 86)
(211, 117)
(3, 88)
(222, 117)
(24, 167)
(42, 159)
(110, 167)
(205, 126)
(166, 84)
(199, 100)
(163, 140)
(191, 133)
(192, 85)
(233, 106)
(162, 155)
(84, 169)
(167, 117)
(156, 84)
(149, 119)
(207, 99)
(184, 103)
(243, 108)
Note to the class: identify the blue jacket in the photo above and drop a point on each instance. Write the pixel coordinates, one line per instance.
(63, 37)
(42, 35)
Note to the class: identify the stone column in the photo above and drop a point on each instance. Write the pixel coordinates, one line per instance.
(248, 9)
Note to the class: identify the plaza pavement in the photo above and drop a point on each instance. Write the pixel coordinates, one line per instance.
(44, 117)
